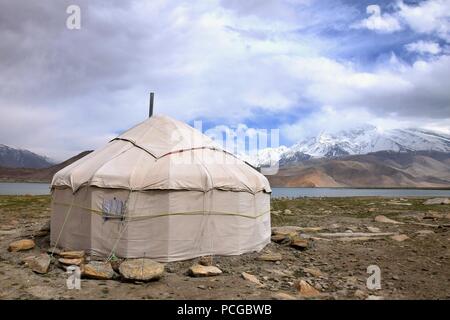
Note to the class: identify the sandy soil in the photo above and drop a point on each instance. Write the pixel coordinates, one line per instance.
(416, 268)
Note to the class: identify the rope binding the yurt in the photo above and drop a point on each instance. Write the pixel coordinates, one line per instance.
(62, 227)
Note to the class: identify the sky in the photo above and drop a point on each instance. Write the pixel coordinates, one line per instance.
(300, 66)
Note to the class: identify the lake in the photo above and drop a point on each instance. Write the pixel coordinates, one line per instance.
(350, 192)
(11, 188)
(19, 188)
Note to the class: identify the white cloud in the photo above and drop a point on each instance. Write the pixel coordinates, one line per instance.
(383, 23)
(428, 17)
(204, 60)
(424, 47)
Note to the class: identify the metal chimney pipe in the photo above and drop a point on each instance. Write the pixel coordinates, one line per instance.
(150, 111)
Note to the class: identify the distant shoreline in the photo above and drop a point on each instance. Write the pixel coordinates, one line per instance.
(21, 181)
(369, 188)
(336, 188)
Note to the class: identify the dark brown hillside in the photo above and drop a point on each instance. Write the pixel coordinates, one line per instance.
(36, 175)
(383, 169)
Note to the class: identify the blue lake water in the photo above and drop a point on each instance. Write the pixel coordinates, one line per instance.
(10, 188)
(349, 192)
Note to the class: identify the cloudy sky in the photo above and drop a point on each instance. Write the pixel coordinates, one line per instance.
(302, 66)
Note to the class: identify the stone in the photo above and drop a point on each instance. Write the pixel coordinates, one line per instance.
(286, 230)
(425, 232)
(39, 264)
(141, 269)
(21, 245)
(198, 270)
(99, 270)
(373, 229)
(400, 237)
(283, 296)
(299, 243)
(288, 212)
(206, 261)
(274, 257)
(372, 297)
(71, 254)
(360, 294)
(306, 290)
(385, 219)
(71, 262)
(313, 271)
(251, 278)
(437, 201)
(279, 237)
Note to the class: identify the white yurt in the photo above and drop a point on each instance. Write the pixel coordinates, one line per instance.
(161, 190)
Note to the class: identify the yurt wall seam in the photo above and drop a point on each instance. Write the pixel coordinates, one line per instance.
(206, 200)
(139, 217)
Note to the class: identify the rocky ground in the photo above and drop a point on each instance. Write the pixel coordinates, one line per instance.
(323, 254)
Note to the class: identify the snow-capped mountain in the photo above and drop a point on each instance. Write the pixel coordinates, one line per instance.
(264, 156)
(360, 140)
(20, 158)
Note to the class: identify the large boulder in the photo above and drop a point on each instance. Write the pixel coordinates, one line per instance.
(99, 270)
(141, 269)
(39, 264)
(21, 245)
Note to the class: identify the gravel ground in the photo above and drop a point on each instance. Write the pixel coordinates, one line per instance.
(334, 263)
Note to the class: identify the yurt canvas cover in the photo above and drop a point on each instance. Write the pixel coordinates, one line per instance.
(161, 190)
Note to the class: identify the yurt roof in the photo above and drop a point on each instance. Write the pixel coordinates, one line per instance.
(162, 153)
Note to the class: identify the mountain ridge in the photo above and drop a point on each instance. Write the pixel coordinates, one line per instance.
(36, 174)
(359, 140)
(382, 169)
(22, 158)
